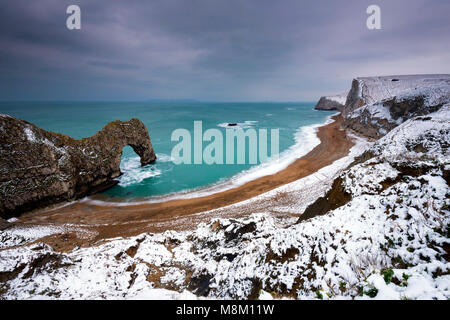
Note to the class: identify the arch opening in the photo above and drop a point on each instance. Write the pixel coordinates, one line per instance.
(129, 159)
(133, 170)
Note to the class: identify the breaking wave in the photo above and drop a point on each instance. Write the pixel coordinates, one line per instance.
(133, 173)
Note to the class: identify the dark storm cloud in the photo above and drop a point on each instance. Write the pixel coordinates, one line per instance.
(213, 49)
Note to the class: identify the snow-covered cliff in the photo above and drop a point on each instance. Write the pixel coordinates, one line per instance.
(375, 105)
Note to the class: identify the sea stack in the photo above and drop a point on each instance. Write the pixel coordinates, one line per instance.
(39, 167)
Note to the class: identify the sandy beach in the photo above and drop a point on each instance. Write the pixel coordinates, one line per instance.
(107, 221)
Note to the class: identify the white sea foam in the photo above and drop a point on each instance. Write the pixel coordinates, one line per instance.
(162, 157)
(133, 172)
(243, 125)
(305, 140)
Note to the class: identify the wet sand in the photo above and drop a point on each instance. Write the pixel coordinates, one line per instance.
(107, 221)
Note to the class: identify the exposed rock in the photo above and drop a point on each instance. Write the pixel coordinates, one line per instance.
(39, 167)
(376, 105)
(330, 103)
(200, 284)
(4, 224)
(411, 107)
(238, 232)
(334, 198)
(354, 99)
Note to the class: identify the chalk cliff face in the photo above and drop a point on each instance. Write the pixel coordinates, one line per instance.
(39, 167)
(376, 105)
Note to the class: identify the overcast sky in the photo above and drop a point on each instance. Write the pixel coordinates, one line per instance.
(222, 50)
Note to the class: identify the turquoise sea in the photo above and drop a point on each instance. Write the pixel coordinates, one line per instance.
(295, 121)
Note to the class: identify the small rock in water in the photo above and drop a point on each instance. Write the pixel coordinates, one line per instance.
(232, 124)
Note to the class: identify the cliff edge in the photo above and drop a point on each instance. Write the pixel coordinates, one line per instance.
(376, 105)
(39, 167)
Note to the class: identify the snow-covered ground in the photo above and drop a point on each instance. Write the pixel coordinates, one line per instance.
(390, 240)
(339, 98)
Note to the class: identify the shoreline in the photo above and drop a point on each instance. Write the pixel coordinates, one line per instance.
(109, 221)
(237, 180)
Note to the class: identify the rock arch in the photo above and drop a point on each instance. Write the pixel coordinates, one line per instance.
(39, 167)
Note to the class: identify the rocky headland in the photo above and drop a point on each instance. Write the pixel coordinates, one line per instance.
(39, 167)
(417, 107)
(330, 103)
(376, 105)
